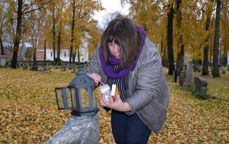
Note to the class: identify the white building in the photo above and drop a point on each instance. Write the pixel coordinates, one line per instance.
(64, 53)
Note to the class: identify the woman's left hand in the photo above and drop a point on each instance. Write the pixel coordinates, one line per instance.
(115, 103)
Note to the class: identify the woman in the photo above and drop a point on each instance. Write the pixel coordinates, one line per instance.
(127, 58)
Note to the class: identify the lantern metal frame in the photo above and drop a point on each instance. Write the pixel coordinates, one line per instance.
(80, 110)
(81, 81)
(64, 98)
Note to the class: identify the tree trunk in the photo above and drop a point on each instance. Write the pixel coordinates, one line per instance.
(170, 41)
(59, 39)
(205, 62)
(72, 31)
(164, 58)
(78, 56)
(74, 57)
(54, 32)
(162, 50)
(18, 35)
(162, 44)
(180, 58)
(34, 66)
(215, 71)
(45, 48)
(1, 45)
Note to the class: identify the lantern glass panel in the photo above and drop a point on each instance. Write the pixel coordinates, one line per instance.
(59, 98)
(84, 98)
(69, 97)
(74, 99)
(94, 98)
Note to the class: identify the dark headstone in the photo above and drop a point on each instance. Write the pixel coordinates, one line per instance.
(182, 78)
(70, 66)
(201, 87)
(74, 69)
(174, 76)
(25, 67)
(64, 67)
(189, 73)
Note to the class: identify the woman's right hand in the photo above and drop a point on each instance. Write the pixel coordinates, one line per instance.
(97, 78)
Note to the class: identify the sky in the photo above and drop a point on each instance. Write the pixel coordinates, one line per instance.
(110, 7)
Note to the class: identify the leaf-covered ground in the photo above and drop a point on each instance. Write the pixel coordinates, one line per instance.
(28, 111)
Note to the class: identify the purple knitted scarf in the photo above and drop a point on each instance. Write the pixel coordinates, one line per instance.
(109, 70)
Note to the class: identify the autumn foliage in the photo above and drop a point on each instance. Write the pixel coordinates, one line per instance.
(28, 111)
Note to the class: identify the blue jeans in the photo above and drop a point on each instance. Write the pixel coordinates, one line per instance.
(129, 129)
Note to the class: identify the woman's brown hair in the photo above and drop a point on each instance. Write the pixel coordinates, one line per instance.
(124, 33)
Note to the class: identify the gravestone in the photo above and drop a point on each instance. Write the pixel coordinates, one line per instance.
(41, 69)
(64, 68)
(74, 69)
(182, 78)
(201, 86)
(3, 60)
(223, 70)
(70, 66)
(188, 80)
(56, 66)
(25, 67)
(174, 76)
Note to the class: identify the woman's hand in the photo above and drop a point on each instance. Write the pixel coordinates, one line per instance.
(97, 78)
(115, 103)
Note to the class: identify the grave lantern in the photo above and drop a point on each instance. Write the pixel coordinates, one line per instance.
(79, 95)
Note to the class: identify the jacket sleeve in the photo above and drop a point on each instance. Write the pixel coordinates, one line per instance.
(95, 66)
(147, 84)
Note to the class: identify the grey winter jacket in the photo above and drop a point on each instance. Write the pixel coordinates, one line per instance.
(146, 86)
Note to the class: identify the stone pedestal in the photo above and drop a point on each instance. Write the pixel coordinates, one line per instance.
(3, 60)
(78, 130)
